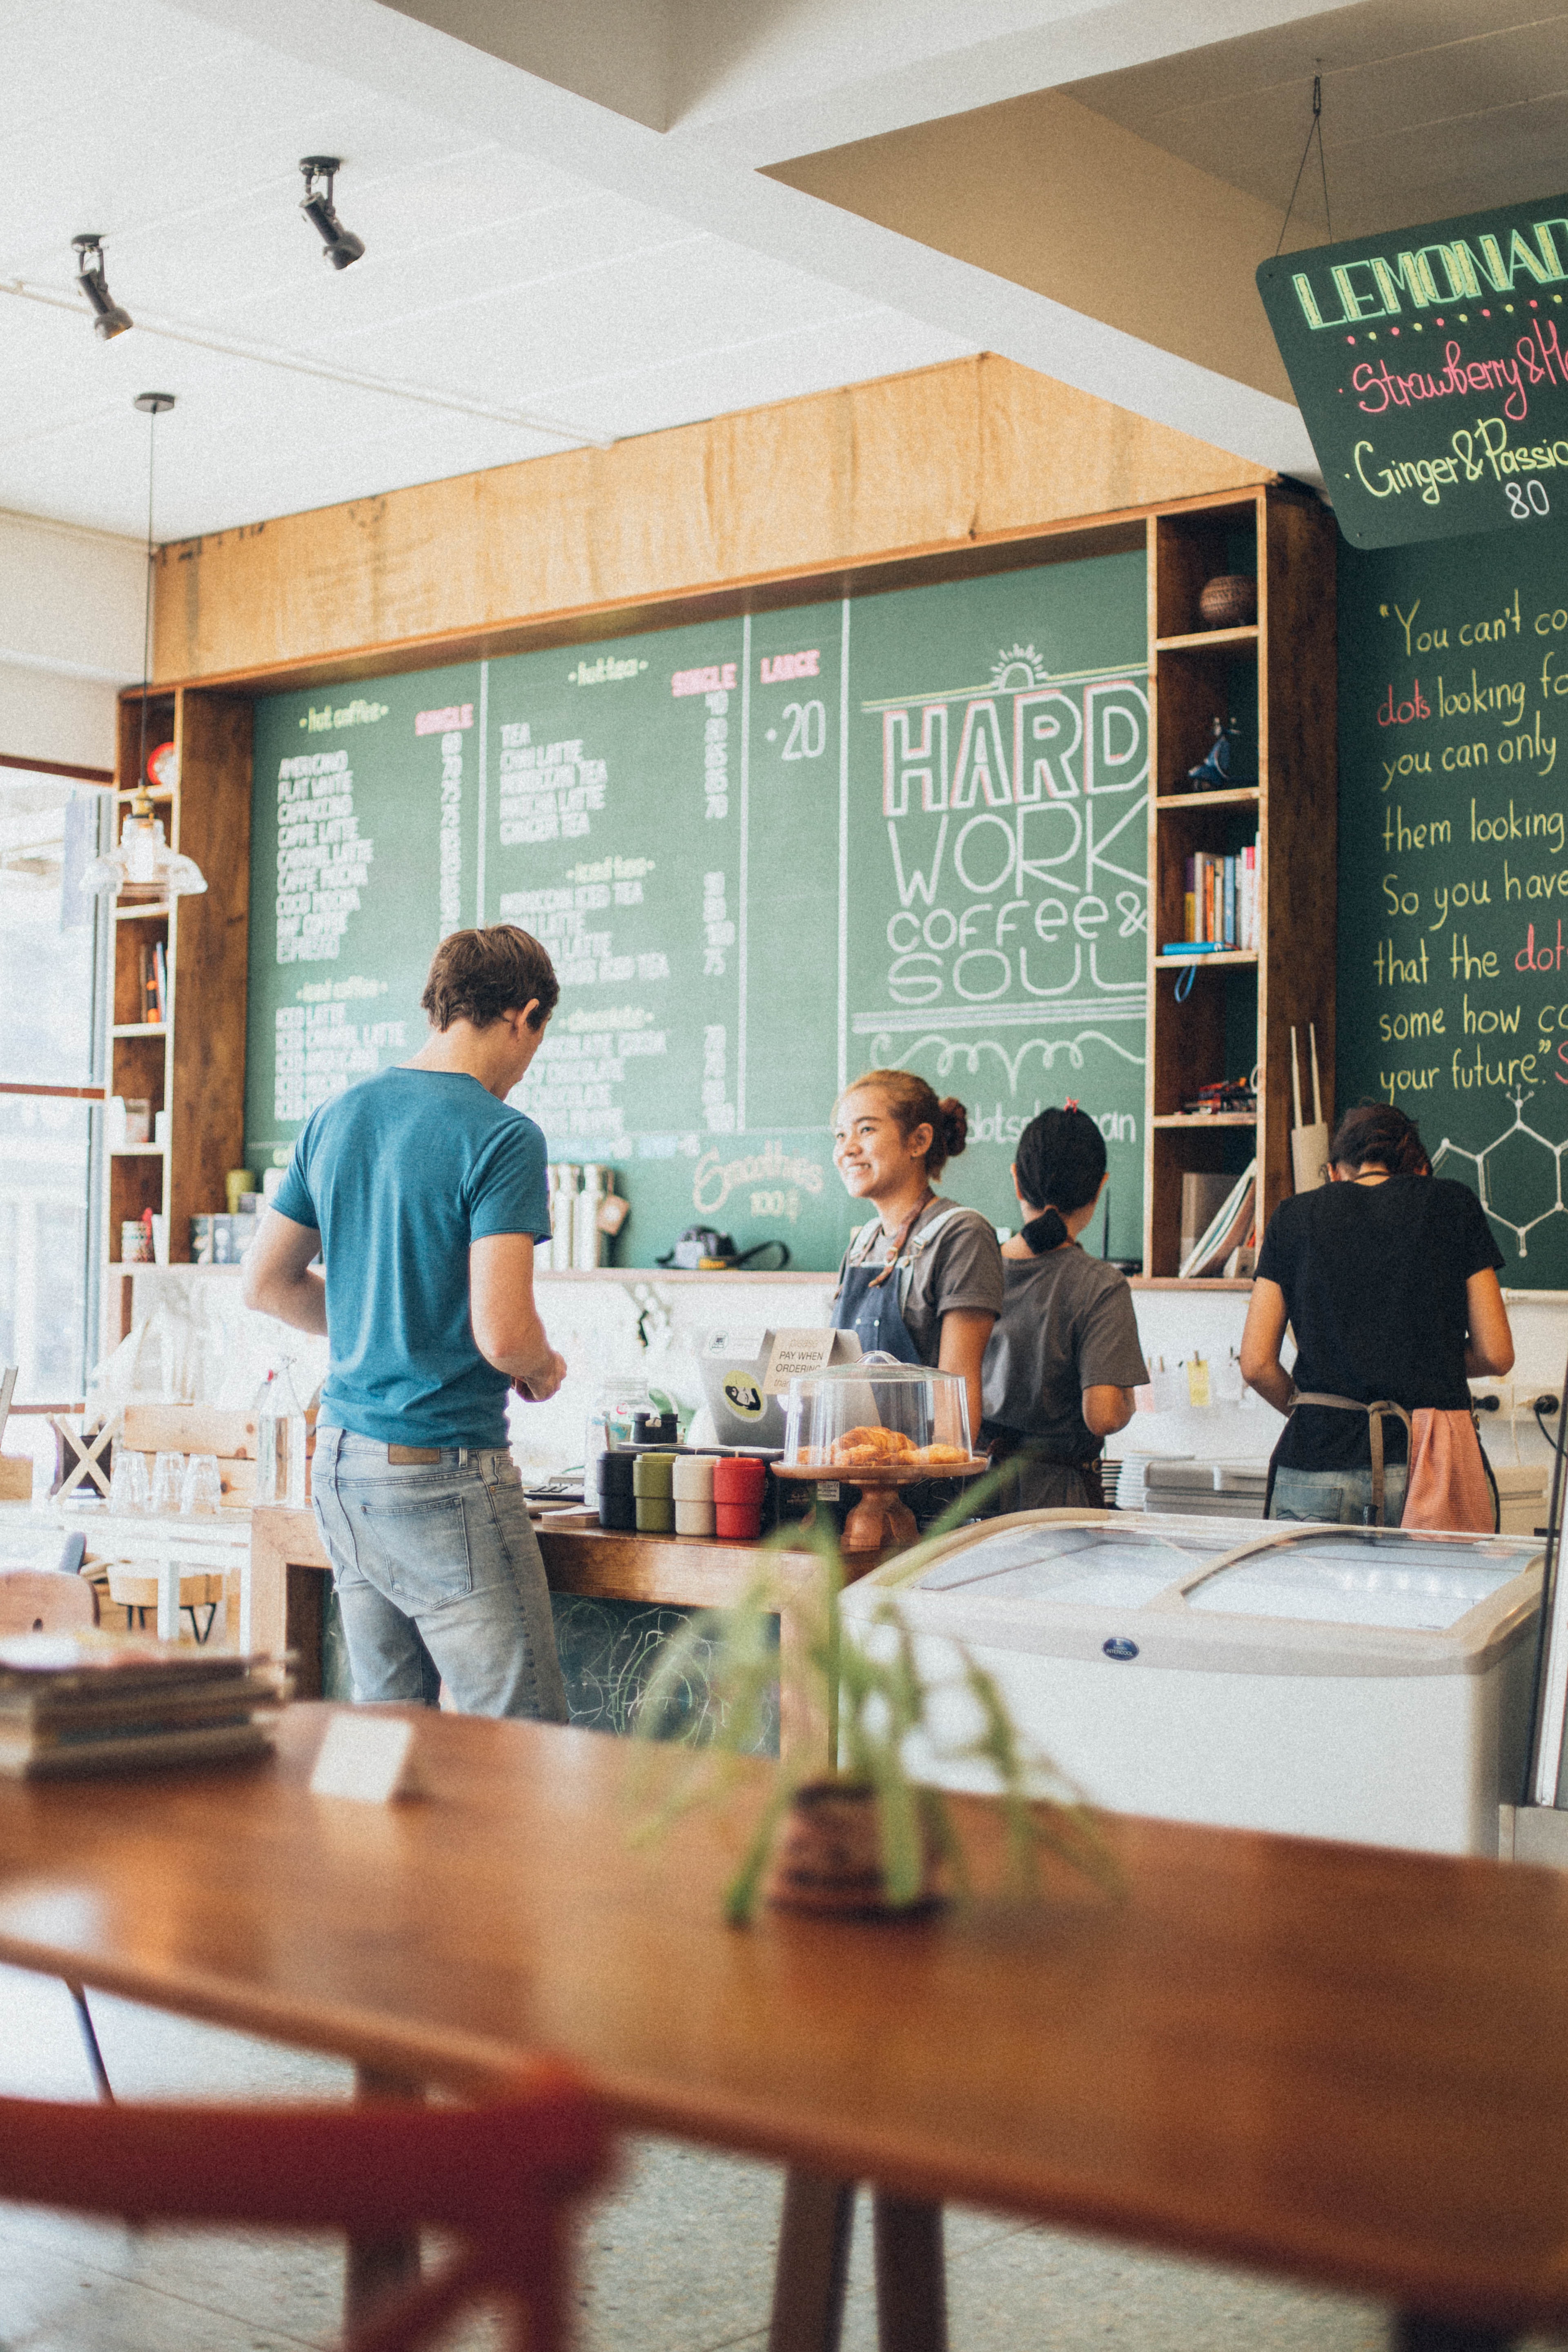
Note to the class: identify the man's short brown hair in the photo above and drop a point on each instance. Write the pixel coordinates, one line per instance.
(478, 975)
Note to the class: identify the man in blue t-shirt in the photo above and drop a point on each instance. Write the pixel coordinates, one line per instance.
(424, 1194)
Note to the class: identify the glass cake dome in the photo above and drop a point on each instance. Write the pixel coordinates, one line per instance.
(877, 1415)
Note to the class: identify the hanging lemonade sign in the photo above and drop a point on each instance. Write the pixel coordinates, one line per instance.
(1431, 366)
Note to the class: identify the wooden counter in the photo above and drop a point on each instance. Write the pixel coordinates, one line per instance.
(281, 1598)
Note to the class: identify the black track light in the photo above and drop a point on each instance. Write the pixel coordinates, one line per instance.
(341, 244)
(108, 318)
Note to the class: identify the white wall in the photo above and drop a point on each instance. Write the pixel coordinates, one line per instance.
(72, 606)
(596, 1324)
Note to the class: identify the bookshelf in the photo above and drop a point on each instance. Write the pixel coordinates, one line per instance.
(191, 1065)
(1276, 677)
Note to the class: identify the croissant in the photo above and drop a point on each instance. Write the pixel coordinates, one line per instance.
(873, 1445)
(942, 1454)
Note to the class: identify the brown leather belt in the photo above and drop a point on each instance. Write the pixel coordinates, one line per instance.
(407, 1454)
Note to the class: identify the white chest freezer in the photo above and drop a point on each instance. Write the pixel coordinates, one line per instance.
(1366, 1684)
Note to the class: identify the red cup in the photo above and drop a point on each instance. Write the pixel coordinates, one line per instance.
(738, 1486)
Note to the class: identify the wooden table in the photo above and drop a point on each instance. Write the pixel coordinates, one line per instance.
(280, 1584)
(1338, 2061)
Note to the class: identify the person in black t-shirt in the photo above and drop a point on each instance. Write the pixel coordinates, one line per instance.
(1387, 1276)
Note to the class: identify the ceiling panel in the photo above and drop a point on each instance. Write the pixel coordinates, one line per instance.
(1430, 107)
(489, 275)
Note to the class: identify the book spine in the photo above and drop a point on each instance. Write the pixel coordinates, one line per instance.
(1230, 902)
(160, 982)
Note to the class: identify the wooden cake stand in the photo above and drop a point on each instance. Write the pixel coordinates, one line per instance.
(879, 1521)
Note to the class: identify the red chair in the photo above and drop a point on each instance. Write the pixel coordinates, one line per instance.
(502, 2177)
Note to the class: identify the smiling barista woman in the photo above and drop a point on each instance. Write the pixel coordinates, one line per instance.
(923, 1280)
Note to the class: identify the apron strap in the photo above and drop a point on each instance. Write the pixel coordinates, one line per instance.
(1384, 1409)
(896, 1248)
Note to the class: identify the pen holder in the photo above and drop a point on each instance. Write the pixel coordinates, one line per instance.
(692, 1485)
(613, 1481)
(652, 1476)
(738, 1482)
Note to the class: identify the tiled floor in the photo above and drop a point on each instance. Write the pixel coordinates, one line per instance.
(677, 2259)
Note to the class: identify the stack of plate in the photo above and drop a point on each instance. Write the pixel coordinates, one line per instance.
(1185, 1485)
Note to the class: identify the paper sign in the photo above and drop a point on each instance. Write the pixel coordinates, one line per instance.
(367, 1756)
(794, 1356)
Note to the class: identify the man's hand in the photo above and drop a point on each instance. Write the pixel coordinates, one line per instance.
(541, 1385)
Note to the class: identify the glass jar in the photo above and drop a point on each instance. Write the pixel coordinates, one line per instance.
(621, 1397)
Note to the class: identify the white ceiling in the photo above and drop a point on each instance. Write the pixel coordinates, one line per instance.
(570, 236)
(492, 277)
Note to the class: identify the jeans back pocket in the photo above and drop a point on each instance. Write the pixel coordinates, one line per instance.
(414, 1548)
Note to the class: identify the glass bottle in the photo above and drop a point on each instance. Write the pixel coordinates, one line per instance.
(280, 1439)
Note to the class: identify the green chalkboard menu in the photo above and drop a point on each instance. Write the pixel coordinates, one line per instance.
(765, 853)
(1453, 988)
(1431, 365)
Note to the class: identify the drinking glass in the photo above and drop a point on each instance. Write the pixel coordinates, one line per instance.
(128, 1489)
(201, 1487)
(168, 1471)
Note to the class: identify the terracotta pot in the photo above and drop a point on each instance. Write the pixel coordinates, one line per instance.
(1229, 602)
(828, 1857)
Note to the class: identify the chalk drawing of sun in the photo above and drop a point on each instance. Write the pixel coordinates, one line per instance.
(1020, 666)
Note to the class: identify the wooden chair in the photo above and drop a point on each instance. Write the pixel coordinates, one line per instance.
(46, 1600)
(42, 1600)
(502, 2177)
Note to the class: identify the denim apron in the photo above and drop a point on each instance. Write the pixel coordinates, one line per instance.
(870, 1301)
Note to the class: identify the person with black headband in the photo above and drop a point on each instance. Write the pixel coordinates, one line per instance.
(1388, 1277)
(1065, 1355)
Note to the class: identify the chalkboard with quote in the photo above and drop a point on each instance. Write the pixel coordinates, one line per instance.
(765, 853)
(1453, 984)
(1431, 366)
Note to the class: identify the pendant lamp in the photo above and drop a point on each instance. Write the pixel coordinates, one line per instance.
(144, 857)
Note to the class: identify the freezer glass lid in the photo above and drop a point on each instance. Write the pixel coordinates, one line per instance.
(1373, 1576)
(1115, 1568)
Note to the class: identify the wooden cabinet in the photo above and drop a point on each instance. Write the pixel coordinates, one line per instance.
(191, 1064)
(1226, 1013)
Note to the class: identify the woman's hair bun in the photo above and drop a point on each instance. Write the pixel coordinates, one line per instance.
(912, 1102)
(1378, 1135)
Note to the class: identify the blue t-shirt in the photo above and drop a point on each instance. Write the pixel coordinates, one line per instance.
(398, 1175)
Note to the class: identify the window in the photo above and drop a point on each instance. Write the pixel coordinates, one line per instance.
(54, 964)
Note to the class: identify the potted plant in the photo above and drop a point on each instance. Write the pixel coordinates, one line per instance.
(857, 1835)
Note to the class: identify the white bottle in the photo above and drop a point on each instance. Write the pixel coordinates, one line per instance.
(587, 1241)
(280, 1440)
(563, 1214)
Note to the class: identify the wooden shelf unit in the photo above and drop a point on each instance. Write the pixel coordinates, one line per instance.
(1276, 678)
(191, 1065)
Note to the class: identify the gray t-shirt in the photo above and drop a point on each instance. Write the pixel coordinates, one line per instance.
(1067, 1325)
(960, 1269)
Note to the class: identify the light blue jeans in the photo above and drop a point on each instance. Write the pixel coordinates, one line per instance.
(439, 1578)
(1344, 1497)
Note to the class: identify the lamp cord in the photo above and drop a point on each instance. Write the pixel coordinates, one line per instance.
(147, 602)
(1314, 129)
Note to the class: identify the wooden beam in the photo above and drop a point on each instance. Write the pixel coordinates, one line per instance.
(836, 491)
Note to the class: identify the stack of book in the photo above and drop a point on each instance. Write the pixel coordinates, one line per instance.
(1233, 1227)
(102, 1703)
(1220, 901)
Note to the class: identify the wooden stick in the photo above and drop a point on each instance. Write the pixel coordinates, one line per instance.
(1295, 1079)
(1317, 1089)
